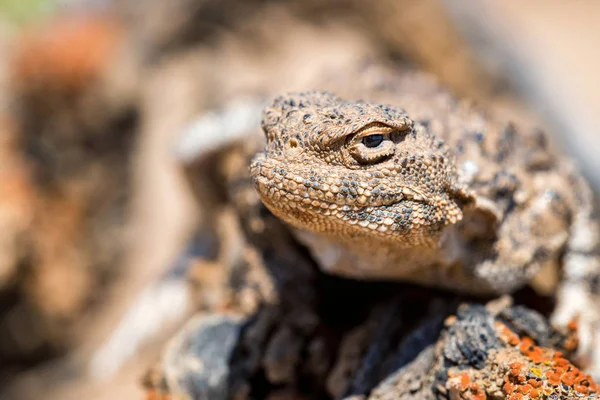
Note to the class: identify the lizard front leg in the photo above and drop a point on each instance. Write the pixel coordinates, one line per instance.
(526, 241)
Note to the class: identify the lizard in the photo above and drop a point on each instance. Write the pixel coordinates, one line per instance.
(295, 292)
(436, 193)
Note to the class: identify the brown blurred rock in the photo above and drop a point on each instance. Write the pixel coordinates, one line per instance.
(72, 102)
(420, 32)
(16, 202)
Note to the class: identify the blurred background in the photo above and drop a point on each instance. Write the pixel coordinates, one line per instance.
(95, 94)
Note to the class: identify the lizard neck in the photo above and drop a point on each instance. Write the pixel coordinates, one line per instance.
(369, 259)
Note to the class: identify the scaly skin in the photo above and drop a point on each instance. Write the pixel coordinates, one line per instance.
(395, 198)
(453, 200)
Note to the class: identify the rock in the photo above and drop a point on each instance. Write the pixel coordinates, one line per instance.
(196, 361)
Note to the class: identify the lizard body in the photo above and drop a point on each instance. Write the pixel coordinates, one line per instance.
(415, 185)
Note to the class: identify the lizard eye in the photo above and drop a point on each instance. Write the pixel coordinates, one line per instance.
(372, 148)
(374, 143)
(372, 140)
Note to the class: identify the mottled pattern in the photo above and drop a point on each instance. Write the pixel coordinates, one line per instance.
(368, 179)
(429, 190)
(406, 200)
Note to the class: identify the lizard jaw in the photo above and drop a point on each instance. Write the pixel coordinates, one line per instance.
(406, 217)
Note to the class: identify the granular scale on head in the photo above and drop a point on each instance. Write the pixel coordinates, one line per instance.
(355, 170)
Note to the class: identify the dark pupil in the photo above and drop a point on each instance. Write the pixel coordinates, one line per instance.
(373, 140)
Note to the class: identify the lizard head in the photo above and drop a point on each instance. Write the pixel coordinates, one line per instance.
(354, 169)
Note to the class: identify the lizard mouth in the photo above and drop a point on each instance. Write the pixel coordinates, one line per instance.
(276, 185)
(332, 203)
(278, 195)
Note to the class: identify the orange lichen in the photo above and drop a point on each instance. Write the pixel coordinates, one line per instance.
(534, 383)
(525, 388)
(550, 372)
(515, 368)
(506, 335)
(589, 382)
(530, 372)
(553, 377)
(572, 377)
(558, 361)
(468, 388)
(475, 392)
(530, 350)
(464, 381)
(526, 344)
(508, 388)
(581, 389)
(479, 395)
